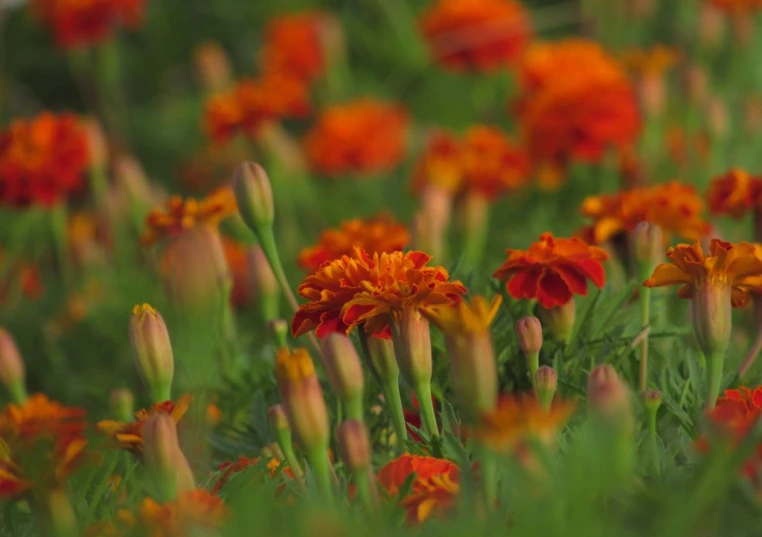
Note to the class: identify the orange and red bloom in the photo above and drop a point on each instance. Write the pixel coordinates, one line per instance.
(479, 35)
(734, 193)
(434, 489)
(552, 270)
(87, 22)
(575, 102)
(374, 235)
(363, 137)
(370, 290)
(293, 45)
(439, 166)
(42, 160)
(675, 208)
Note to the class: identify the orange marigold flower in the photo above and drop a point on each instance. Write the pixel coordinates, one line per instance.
(734, 193)
(253, 103)
(362, 137)
(78, 23)
(434, 488)
(228, 468)
(674, 207)
(575, 102)
(374, 235)
(180, 214)
(518, 419)
(439, 165)
(738, 7)
(737, 267)
(293, 45)
(42, 160)
(130, 435)
(492, 164)
(370, 290)
(481, 35)
(552, 270)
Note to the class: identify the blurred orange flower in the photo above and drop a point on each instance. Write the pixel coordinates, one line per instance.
(492, 164)
(651, 62)
(738, 7)
(130, 435)
(736, 266)
(439, 165)
(434, 489)
(734, 193)
(374, 235)
(369, 290)
(253, 103)
(362, 137)
(552, 270)
(293, 45)
(481, 35)
(78, 23)
(180, 214)
(228, 468)
(575, 102)
(42, 160)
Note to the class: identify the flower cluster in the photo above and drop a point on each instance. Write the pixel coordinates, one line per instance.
(374, 235)
(480, 35)
(734, 193)
(361, 137)
(369, 290)
(674, 207)
(42, 160)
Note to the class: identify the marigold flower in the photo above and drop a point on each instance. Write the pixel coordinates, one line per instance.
(439, 165)
(552, 270)
(85, 22)
(228, 468)
(293, 45)
(434, 489)
(350, 291)
(480, 35)
(42, 159)
(181, 214)
(375, 235)
(575, 102)
(738, 8)
(253, 103)
(674, 207)
(362, 137)
(734, 193)
(129, 435)
(491, 163)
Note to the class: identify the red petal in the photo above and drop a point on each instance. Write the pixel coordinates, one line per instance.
(552, 291)
(523, 284)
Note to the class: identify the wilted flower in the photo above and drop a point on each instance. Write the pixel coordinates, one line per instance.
(363, 137)
(374, 235)
(734, 193)
(42, 160)
(480, 35)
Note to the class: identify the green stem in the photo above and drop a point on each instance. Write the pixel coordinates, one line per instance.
(652, 437)
(364, 482)
(488, 474)
(287, 447)
(533, 364)
(17, 392)
(59, 219)
(428, 417)
(98, 184)
(476, 216)
(391, 389)
(714, 372)
(354, 409)
(322, 471)
(645, 310)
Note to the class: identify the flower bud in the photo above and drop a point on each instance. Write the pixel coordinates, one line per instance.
(212, 66)
(696, 84)
(254, 195)
(354, 445)
(97, 145)
(546, 384)
(648, 244)
(302, 398)
(412, 347)
(122, 404)
(344, 370)
(609, 397)
(266, 285)
(529, 331)
(163, 458)
(717, 117)
(152, 351)
(383, 363)
(711, 315)
(652, 399)
(12, 372)
(560, 320)
(277, 419)
(711, 24)
(278, 330)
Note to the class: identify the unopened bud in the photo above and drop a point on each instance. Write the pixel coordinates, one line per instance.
(648, 244)
(652, 399)
(254, 195)
(412, 347)
(609, 397)
(97, 144)
(529, 331)
(152, 351)
(278, 330)
(163, 458)
(277, 418)
(711, 313)
(212, 66)
(122, 404)
(12, 372)
(560, 320)
(302, 398)
(265, 284)
(344, 370)
(383, 363)
(546, 384)
(355, 445)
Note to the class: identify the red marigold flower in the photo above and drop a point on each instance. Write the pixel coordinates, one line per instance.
(362, 137)
(293, 45)
(374, 235)
(42, 160)
(130, 435)
(552, 270)
(86, 22)
(370, 290)
(674, 207)
(575, 102)
(480, 35)
(434, 488)
(253, 103)
(734, 193)
(492, 164)
(228, 468)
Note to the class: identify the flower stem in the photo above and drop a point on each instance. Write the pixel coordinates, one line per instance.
(428, 417)
(645, 310)
(488, 475)
(391, 388)
(321, 470)
(533, 364)
(368, 496)
(287, 447)
(652, 437)
(714, 378)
